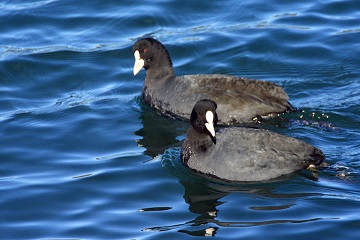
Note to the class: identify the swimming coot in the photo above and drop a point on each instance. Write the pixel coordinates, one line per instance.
(242, 154)
(240, 100)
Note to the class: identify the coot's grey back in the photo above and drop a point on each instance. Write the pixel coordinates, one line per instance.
(239, 99)
(243, 154)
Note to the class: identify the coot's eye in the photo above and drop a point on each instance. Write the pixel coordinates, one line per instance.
(145, 50)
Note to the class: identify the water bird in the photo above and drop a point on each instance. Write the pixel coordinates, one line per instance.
(242, 154)
(240, 100)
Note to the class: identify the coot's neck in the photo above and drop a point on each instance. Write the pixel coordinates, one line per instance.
(159, 74)
(158, 79)
(195, 143)
(160, 67)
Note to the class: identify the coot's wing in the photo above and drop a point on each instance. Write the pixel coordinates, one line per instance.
(239, 99)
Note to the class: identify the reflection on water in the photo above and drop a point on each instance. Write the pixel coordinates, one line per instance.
(158, 133)
(206, 197)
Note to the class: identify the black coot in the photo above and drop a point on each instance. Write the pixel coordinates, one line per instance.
(242, 154)
(240, 100)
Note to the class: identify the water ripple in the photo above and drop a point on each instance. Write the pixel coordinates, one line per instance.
(84, 157)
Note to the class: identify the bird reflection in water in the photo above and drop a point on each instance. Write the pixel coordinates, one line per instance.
(204, 198)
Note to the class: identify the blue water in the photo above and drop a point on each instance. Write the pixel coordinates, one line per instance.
(82, 157)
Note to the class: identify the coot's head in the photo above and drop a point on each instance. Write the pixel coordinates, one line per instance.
(148, 53)
(204, 118)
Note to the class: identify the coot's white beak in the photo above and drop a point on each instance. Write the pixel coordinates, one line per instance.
(210, 123)
(139, 63)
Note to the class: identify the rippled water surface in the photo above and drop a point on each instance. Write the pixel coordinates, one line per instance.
(83, 157)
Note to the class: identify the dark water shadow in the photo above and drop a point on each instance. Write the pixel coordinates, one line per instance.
(205, 198)
(158, 132)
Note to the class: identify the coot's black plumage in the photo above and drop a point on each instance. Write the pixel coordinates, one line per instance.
(239, 99)
(242, 154)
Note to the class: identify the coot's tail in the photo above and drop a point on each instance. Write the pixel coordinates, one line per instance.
(317, 157)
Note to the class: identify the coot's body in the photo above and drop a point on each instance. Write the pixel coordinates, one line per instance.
(242, 154)
(240, 100)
